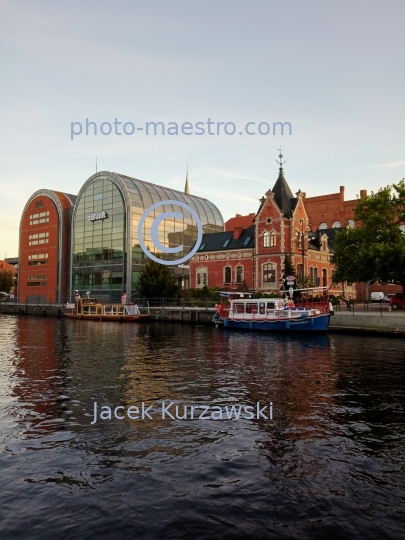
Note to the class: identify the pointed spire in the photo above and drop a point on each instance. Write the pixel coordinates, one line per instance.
(282, 192)
(187, 187)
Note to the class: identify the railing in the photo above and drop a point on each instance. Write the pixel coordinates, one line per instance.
(177, 302)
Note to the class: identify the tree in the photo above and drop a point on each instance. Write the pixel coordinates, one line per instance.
(7, 281)
(288, 267)
(155, 281)
(376, 250)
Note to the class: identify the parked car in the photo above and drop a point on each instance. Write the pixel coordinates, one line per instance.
(397, 301)
(377, 296)
(388, 297)
(6, 296)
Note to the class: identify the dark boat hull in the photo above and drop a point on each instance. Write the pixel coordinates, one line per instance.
(317, 323)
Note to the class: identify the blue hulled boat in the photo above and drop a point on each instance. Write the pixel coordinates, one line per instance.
(273, 315)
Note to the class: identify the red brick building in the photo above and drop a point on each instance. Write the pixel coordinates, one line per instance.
(45, 230)
(255, 254)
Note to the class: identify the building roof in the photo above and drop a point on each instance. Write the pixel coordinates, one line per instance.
(71, 197)
(239, 221)
(225, 241)
(331, 234)
(283, 195)
(7, 267)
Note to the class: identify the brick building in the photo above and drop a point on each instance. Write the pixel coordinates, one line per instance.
(255, 254)
(45, 235)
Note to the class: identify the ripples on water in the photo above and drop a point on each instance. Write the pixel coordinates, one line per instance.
(329, 465)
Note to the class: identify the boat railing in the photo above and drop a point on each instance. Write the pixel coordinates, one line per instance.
(296, 312)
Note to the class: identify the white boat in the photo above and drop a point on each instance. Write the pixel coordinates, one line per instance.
(273, 314)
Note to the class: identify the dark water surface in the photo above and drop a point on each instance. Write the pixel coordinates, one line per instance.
(329, 466)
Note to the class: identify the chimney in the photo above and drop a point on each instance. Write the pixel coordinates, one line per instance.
(237, 231)
(363, 193)
(342, 199)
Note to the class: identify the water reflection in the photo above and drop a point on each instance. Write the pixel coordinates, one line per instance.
(329, 464)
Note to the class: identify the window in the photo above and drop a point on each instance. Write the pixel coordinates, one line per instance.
(239, 274)
(272, 239)
(245, 243)
(227, 274)
(36, 256)
(198, 278)
(336, 225)
(269, 273)
(350, 224)
(323, 225)
(36, 284)
(32, 278)
(202, 247)
(40, 238)
(313, 276)
(39, 204)
(299, 240)
(226, 243)
(36, 263)
(204, 276)
(299, 271)
(98, 197)
(266, 239)
(41, 217)
(324, 277)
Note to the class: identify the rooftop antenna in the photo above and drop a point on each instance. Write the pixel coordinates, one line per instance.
(280, 156)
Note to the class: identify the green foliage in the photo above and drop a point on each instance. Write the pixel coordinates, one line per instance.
(7, 281)
(156, 281)
(204, 293)
(288, 267)
(376, 250)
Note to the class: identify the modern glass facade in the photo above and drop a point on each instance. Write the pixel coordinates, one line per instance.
(106, 255)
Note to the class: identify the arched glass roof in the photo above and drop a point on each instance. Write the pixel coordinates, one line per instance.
(145, 194)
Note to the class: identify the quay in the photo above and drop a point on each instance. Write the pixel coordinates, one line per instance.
(355, 321)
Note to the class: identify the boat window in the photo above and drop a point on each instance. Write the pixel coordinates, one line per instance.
(271, 305)
(251, 308)
(239, 308)
(121, 310)
(262, 308)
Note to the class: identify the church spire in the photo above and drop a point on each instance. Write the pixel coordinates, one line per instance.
(187, 187)
(282, 192)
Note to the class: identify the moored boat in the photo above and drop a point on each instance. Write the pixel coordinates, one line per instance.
(93, 310)
(273, 314)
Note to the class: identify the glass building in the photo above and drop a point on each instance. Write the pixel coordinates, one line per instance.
(106, 254)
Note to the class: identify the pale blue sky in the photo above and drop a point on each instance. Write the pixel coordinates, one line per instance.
(334, 70)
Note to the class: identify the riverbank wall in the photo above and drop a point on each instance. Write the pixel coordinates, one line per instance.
(345, 322)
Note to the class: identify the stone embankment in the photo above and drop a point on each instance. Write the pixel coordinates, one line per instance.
(383, 322)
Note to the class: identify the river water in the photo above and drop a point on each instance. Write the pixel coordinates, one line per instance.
(329, 464)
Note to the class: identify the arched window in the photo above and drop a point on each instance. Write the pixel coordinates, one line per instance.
(272, 239)
(324, 277)
(239, 274)
(350, 223)
(202, 277)
(227, 274)
(299, 240)
(336, 225)
(266, 239)
(269, 273)
(323, 225)
(299, 272)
